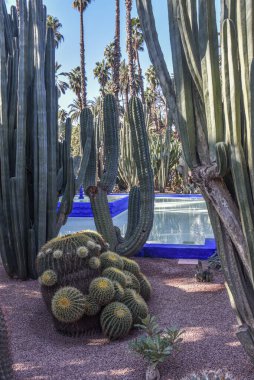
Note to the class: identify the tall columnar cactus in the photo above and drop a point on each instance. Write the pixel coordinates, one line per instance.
(6, 371)
(141, 200)
(35, 169)
(215, 109)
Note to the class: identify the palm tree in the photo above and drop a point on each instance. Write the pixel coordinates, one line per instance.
(138, 45)
(61, 85)
(124, 83)
(101, 72)
(151, 94)
(75, 110)
(54, 23)
(75, 82)
(128, 5)
(109, 54)
(117, 51)
(81, 6)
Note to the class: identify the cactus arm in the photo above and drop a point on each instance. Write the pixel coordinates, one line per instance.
(133, 211)
(245, 32)
(86, 134)
(141, 156)
(52, 133)
(39, 38)
(208, 43)
(145, 12)
(111, 142)
(190, 47)
(230, 81)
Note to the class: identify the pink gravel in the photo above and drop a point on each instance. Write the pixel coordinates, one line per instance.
(201, 309)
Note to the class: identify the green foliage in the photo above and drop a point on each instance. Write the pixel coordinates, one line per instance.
(68, 304)
(116, 320)
(136, 304)
(115, 274)
(156, 345)
(102, 290)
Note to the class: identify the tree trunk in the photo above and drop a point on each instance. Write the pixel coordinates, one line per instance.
(82, 59)
(128, 4)
(117, 52)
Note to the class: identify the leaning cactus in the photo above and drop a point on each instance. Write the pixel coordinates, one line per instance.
(213, 107)
(6, 371)
(141, 200)
(86, 288)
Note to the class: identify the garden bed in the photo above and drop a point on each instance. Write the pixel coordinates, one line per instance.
(201, 309)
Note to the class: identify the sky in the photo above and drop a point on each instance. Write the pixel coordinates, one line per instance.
(99, 25)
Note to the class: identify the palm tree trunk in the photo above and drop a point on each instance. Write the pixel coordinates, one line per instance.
(128, 5)
(141, 80)
(117, 52)
(82, 59)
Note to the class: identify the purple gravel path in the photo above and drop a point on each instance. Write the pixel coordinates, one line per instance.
(202, 310)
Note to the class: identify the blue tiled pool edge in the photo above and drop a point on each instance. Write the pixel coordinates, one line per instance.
(179, 251)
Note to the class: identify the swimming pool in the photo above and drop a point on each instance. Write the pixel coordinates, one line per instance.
(181, 228)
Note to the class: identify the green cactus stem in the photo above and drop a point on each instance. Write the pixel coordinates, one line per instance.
(116, 320)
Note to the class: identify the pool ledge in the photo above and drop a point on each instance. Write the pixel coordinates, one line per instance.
(179, 251)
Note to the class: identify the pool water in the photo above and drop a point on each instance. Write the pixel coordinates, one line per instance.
(182, 220)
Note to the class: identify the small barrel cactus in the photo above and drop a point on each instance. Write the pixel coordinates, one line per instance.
(132, 281)
(111, 259)
(136, 304)
(6, 371)
(131, 266)
(68, 304)
(115, 274)
(116, 320)
(102, 290)
(87, 288)
(145, 287)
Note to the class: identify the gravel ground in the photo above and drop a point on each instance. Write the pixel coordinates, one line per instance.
(201, 309)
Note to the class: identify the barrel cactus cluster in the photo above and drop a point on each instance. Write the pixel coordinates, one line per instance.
(88, 288)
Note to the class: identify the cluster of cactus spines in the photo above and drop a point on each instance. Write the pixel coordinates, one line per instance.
(140, 218)
(210, 375)
(136, 305)
(115, 274)
(102, 290)
(68, 304)
(145, 287)
(79, 279)
(116, 320)
(6, 370)
(214, 102)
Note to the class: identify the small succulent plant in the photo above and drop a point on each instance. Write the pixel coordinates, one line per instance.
(156, 345)
(203, 275)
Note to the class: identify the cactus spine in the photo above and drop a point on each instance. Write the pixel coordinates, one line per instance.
(215, 120)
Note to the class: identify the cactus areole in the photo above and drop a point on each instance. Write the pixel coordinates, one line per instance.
(213, 107)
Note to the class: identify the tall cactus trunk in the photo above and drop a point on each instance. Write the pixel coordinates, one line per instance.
(36, 169)
(215, 111)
